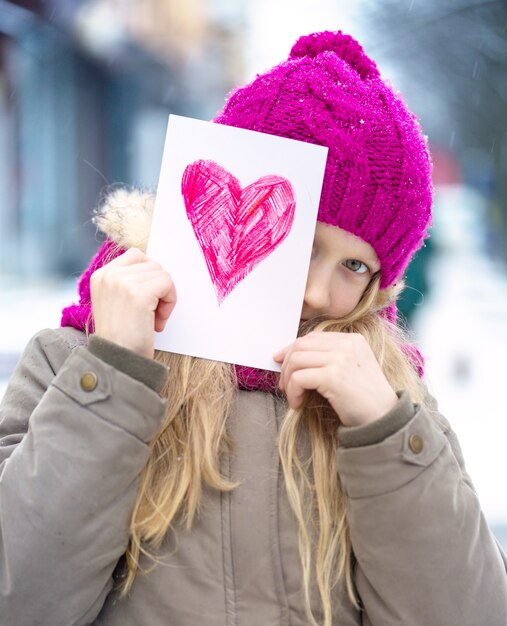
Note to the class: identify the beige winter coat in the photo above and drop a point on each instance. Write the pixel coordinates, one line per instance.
(75, 427)
(71, 456)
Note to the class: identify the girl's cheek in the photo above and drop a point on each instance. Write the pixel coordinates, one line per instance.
(346, 295)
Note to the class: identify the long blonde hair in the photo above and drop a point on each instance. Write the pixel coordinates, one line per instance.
(185, 454)
(312, 483)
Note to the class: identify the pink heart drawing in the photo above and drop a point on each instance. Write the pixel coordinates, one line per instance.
(236, 228)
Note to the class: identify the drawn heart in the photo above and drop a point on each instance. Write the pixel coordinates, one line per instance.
(236, 228)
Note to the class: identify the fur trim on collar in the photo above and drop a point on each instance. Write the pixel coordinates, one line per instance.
(125, 217)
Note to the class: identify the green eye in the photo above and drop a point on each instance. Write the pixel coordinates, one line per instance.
(356, 266)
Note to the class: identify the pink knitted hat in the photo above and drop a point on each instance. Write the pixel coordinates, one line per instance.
(377, 181)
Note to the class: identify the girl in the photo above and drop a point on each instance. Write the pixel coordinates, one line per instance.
(149, 488)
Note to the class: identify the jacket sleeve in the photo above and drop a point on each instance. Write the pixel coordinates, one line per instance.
(71, 451)
(424, 552)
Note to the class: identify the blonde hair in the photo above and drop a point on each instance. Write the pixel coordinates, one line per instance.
(185, 454)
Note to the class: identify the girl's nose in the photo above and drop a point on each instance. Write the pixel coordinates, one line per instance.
(317, 293)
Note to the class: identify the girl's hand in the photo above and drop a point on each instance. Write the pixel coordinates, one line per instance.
(343, 369)
(132, 296)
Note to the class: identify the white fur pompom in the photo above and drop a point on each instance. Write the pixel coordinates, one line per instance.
(125, 217)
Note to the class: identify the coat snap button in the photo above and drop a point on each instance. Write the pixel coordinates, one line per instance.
(416, 443)
(89, 381)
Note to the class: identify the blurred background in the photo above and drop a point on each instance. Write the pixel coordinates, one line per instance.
(85, 90)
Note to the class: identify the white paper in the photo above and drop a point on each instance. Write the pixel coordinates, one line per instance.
(262, 313)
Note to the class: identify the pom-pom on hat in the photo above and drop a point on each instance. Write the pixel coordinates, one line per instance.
(377, 182)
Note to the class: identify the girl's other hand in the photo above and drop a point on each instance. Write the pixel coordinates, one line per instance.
(343, 369)
(132, 296)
